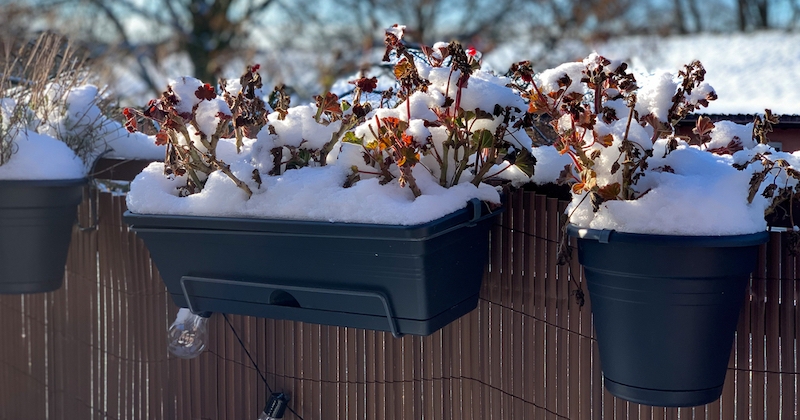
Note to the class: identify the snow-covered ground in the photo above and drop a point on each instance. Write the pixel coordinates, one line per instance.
(749, 71)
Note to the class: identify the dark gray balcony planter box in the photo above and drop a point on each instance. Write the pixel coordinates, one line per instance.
(665, 310)
(36, 219)
(403, 279)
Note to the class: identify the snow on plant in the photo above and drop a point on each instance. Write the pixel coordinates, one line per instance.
(29, 68)
(192, 120)
(630, 170)
(53, 122)
(445, 120)
(34, 85)
(452, 119)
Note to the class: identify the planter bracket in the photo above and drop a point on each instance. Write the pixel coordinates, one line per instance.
(374, 294)
(90, 192)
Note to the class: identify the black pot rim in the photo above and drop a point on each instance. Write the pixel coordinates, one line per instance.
(606, 236)
(43, 182)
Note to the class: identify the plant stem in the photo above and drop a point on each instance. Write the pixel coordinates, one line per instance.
(444, 163)
(409, 179)
(326, 149)
(226, 169)
(484, 167)
(627, 165)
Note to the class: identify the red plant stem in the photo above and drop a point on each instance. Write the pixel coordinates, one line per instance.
(597, 100)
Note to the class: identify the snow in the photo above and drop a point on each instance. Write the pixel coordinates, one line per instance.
(548, 79)
(124, 145)
(655, 95)
(300, 129)
(185, 88)
(705, 195)
(310, 193)
(208, 115)
(41, 157)
(397, 30)
(549, 164)
(81, 118)
(749, 71)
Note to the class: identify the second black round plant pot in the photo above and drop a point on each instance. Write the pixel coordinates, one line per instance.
(36, 219)
(665, 310)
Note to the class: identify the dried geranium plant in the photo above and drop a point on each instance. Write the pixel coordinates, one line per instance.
(452, 140)
(607, 92)
(192, 119)
(386, 134)
(189, 104)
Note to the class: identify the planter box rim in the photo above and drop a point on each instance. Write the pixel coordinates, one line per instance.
(606, 236)
(473, 213)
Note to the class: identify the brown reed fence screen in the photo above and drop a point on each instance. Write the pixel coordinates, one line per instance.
(96, 349)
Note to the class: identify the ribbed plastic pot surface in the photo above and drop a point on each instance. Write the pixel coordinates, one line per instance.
(665, 310)
(36, 220)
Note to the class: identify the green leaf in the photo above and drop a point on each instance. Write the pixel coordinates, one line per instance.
(525, 161)
(350, 137)
(482, 139)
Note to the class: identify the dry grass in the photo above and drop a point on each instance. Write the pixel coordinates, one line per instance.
(36, 76)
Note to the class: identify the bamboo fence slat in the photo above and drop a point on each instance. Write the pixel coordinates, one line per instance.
(96, 349)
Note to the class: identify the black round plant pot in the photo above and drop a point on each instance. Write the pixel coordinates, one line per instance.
(665, 310)
(36, 220)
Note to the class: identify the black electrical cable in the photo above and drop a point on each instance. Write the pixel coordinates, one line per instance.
(578, 292)
(255, 365)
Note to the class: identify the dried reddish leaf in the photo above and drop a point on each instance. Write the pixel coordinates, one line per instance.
(732, 147)
(205, 92)
(404, 69)
(610, 191)
(329, 103)
(606, 140)
(367, 85)
(703, 125)
(161, 138)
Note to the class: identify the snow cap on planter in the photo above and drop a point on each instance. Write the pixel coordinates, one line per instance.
(631, 171)
(407, 155)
